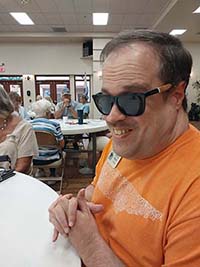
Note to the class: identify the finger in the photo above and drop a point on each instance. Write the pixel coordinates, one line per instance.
(55, 235)
(60, 214)
(82, 201)
(57, 226)
(95, 208)
(72, 209)
(54, 203)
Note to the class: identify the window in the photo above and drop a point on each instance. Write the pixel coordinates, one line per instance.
(82, 86)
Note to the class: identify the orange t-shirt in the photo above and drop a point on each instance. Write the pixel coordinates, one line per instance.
(151, 214)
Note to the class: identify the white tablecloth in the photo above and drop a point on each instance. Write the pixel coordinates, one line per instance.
(25, 232)
(89, 126)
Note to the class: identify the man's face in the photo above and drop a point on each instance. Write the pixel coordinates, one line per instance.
(66, 98)
(135, 69)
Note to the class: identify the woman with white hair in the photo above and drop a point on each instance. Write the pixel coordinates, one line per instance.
(17, 138)
(42, 110)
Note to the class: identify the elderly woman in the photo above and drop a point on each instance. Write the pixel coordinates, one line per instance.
(42, 109)
(17, 101)
(17, 138)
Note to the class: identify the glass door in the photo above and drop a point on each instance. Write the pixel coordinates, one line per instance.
(52, 86)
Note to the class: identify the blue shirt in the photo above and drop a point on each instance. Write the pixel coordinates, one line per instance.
(86, 110)
(74, 104)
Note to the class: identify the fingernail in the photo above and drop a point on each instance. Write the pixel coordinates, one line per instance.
(66, 230)
(70, 224)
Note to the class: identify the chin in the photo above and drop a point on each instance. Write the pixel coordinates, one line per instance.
(123, 151)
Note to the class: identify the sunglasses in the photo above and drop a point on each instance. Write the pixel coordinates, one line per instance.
(130, 104)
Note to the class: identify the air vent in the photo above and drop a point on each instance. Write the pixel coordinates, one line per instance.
(59, 29)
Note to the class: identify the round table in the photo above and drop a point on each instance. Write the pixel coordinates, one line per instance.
(25, 231)
(71, 127)
(90, 126)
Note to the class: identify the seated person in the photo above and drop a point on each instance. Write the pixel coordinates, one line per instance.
(17, 138)
(17, 102)
(38, 97)
(53, 106)
(67, 107)
(42, 110)
(85, 106)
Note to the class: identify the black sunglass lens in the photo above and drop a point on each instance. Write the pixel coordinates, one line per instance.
(131, 104)
(104, 103)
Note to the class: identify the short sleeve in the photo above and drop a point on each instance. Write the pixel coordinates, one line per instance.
(27, 143)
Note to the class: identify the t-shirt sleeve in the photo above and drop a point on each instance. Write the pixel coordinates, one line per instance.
(101, 161)
(182, 248)
(86, 109)
(27, 144)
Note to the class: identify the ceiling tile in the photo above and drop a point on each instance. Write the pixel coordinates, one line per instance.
(83, 6)
(68, 18)
(66, 6)
(47, 5)
(52, 18)
(72, 28)
(84, 19)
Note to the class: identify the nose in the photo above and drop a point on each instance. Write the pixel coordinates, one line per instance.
(114, 115)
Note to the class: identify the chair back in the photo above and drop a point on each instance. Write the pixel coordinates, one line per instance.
(46, 139)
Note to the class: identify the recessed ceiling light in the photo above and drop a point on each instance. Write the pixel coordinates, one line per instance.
(22, 18)
(177, 31)
(100, 18)
(197, 10)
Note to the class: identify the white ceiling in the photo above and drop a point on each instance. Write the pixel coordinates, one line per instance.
(75, 16)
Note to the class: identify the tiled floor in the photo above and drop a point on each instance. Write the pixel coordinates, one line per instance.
(73, 180)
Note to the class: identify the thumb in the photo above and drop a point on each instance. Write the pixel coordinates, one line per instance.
(95, 208)
(82, 201)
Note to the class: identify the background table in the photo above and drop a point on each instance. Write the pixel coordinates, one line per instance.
(25, 231)
(90, 126)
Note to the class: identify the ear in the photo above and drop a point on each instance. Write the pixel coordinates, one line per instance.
(178, 94)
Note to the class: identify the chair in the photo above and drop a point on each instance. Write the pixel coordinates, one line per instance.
(48, 140)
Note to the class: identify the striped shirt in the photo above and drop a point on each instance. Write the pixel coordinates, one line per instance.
(53, 127)
(43, 124)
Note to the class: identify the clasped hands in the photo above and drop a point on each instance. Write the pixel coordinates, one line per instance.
(72, 217)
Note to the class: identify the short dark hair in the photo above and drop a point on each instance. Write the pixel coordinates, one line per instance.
(84, 96)
(175, 60)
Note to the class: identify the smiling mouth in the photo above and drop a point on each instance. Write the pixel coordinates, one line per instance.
(120, 131)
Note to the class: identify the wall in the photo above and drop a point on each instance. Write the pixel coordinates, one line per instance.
(66, 58)
(42, 58)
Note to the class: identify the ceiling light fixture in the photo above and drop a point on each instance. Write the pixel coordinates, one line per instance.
(22, 18)
(177, 31)
(197, 10)
(100, 18)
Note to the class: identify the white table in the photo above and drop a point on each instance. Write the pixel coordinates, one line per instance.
(25, 231)
(90, 126)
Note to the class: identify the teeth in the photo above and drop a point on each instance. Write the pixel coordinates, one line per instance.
(120, 131)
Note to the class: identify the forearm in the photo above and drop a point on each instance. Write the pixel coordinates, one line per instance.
(74, 113)
(58, 113)
(99, 254)
(23, 165)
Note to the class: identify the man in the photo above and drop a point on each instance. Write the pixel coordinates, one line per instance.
(85, 106)
(42, 110)
(148, 177)
(67, 107)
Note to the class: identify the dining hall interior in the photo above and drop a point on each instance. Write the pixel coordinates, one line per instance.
(58, 52)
